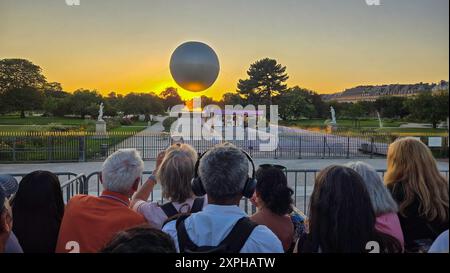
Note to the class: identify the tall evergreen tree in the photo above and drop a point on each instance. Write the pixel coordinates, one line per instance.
(267, 79)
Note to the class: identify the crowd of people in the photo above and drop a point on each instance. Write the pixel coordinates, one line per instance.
(352, 208)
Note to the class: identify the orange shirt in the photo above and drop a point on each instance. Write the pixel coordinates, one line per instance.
(90, 222)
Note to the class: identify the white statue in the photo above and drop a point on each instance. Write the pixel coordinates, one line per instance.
(333, 115)
(100, 112)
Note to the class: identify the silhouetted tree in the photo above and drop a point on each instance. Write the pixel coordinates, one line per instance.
(113, 104)
(295, 103)
(82, 99)
(18, 74)
(54, 89)
(266, 79)
(142, 103)
(232, 99)
(429, 108)
(22, 99)
(392, 107)
(171, 97)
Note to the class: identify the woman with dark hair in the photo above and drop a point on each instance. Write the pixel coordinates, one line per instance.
(273, 199)
(38, 208)
(341, 216)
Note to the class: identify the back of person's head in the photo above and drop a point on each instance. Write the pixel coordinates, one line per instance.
(9, 185)
(184, 147)
(122, 171)
(273, 190)
(224, 171)
(342, 219)
(411, 163)
(380, 196)
(38, 208)
(175, 175)
(143, 239)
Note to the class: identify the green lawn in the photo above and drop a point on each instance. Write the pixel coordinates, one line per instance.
(16, 120)
(128, 129)
(36, 124)
(63, 148)
(30, 128)
(365, 126)
(373, 123)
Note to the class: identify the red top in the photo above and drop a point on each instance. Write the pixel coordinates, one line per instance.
(90, 222)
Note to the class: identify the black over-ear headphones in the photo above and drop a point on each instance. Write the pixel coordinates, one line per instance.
(249, 187)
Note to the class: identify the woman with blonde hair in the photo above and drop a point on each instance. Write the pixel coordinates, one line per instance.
(174, 170)
(420, 190)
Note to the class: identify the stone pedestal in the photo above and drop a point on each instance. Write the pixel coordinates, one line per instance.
(100, 127)
(332, 127)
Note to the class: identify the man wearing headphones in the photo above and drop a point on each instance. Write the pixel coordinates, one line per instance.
(222, 174)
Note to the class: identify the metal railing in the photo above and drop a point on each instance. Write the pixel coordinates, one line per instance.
(74, 183)
(74, 186)
(301, 181)
(81, 147)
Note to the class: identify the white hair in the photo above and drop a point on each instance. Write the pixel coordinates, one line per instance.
(381, 198)
(121, 169)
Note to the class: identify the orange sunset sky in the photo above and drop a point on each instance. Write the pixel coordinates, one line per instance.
(327, 45)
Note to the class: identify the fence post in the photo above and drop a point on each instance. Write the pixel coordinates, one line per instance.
(14, 149)
(324, 147)
(372, 143)
(82, 148)
(300, 147)
(348, 147)
(85, 184)
(50, 148)
(143, 145)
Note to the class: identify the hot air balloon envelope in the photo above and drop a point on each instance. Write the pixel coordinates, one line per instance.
(194, 66)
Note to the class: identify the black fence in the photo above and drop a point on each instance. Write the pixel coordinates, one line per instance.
(301, 181)
(81, 147)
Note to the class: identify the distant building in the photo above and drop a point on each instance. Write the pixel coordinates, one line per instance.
(372, 93)
(441, 86)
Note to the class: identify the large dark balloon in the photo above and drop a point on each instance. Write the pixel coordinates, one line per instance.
(194, 66)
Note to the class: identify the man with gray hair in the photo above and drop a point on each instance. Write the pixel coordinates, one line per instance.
(222, 226)
(90, 222)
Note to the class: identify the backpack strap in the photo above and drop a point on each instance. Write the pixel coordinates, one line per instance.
(169, 209)
(233, 243)
(184, 242)
(238, 236)
(198, 204)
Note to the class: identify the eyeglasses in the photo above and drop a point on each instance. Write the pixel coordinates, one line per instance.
(266, 166)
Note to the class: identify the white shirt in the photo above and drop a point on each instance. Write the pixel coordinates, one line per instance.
(441, 244)
(154, 214)
(210, 227)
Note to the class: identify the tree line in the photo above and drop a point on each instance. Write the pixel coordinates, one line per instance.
(23, 88)
(266, 85)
